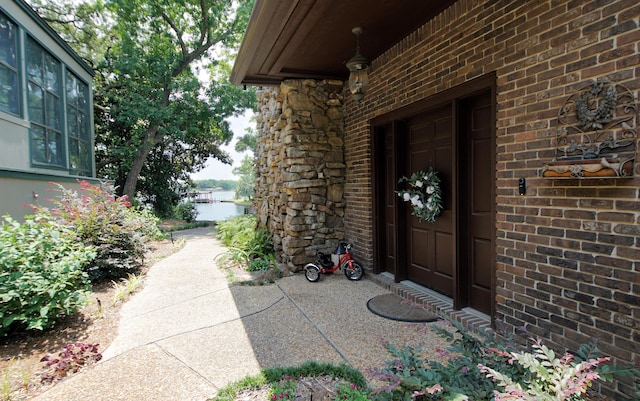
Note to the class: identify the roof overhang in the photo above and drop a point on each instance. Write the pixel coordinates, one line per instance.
(299, 39)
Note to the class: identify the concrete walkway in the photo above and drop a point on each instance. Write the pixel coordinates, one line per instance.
(189, 332)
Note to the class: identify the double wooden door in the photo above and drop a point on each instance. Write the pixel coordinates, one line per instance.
(455, 254)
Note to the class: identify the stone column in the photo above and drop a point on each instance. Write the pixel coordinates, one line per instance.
(300, 170)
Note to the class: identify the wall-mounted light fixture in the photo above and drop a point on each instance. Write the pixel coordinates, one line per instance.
(358, 65)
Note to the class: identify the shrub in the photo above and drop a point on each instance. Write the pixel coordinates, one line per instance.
(248, 246)
(186, 211)
(109, 223)
(476, 359)
(41, 275)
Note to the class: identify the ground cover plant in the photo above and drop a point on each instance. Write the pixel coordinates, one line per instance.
(483, 366)
(282, 383)
(247, 245)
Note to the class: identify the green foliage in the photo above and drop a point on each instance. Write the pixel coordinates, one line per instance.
(157, 121)
(225, 185)
(276, 374)
(41, 273)
(117, 231)
(284, 389)
(551, 379)
(247, 180)
(186, 211)
(351, 392)
(473, 359)
(247, 245)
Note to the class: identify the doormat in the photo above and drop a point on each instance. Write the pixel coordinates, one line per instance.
(393, 307)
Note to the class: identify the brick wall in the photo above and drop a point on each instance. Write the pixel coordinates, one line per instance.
(568, 253)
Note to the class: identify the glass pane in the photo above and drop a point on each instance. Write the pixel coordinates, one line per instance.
(72, 122)
(52, 74)
(53, 112)
(54, 147)
(83, 126)
(9, 90)
(36, 103)
(83, 100)
(38, 144)
(72, 89)
(8, 41)
(74, 163)
(85, 156)
(34, 62)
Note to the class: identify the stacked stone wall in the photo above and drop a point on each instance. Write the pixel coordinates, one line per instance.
(300, 168)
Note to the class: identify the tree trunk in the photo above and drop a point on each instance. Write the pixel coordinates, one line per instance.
(138, 163)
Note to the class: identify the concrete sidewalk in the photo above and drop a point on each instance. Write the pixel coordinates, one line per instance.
(189, 332)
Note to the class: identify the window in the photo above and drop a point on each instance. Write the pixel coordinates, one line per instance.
(78, 128)
(44, 104)
(9, 89)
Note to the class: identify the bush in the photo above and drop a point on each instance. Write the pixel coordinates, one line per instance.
(246, 244)
(482, 366)
(186, 211)
(41, 275)
(110, 224)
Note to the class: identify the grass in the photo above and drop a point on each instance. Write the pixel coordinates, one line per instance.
(271, 376)
(126, 287)
(16, 371)
(185, 226)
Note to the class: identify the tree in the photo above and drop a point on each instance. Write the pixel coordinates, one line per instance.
(246, 171)
(247, 180)
(156, 121)
(150, 84)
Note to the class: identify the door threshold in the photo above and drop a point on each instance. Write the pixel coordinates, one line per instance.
(469, 317)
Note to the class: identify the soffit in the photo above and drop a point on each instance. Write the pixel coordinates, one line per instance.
(312, 38)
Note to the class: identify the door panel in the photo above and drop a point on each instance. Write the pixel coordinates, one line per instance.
(390, 204)
(477, 238)
(430, 245)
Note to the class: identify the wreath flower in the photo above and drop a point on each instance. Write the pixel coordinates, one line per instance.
(424, 194)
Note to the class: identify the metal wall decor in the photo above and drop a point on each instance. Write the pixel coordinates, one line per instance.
(597, 133)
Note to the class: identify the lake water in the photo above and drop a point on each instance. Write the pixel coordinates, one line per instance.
(217, 210)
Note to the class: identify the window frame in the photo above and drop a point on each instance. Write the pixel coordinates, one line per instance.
(16, 70)
(62, 153)
(70, 134)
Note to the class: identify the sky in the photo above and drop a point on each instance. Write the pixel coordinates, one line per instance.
(219, 171)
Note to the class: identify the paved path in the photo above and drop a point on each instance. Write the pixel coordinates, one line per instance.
(188, 332)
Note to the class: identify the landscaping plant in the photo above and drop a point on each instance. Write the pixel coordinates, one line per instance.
(247, 245)
(70, 359)
(41, 273)
(552, 378)
(116, 230)
(482, 366)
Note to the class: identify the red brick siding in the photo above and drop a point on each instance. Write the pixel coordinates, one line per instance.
(568, 258)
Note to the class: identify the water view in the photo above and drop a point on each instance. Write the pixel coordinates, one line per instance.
(220, 208)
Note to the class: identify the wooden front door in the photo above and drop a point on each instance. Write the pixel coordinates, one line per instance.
(455, 255)
(477, 179)
(430, 247)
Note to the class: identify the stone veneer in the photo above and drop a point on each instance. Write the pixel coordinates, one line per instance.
(300, 168)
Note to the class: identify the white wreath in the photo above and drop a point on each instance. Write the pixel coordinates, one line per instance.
(424, 194)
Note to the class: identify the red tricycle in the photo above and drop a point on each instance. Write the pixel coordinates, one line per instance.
(325, 264)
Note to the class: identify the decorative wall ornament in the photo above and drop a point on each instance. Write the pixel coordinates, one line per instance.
(424, 194)
(597, 133)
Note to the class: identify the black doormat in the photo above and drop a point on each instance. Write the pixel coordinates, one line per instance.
(393, 307)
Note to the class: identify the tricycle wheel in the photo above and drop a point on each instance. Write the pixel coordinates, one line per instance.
(353, 270)
(312, 272)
